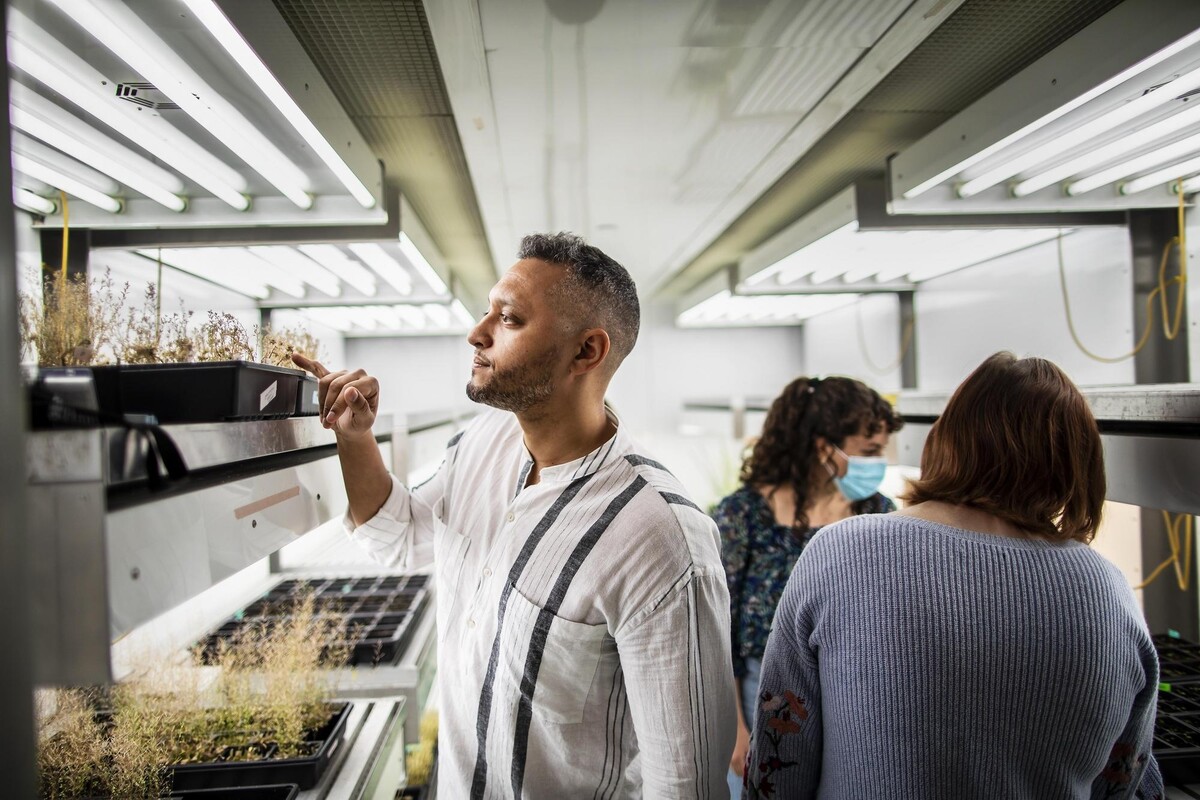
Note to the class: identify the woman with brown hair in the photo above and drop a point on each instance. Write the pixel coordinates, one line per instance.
(819, 460)
(971, 645)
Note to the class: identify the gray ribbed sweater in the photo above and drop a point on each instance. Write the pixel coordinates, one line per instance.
(913, 660)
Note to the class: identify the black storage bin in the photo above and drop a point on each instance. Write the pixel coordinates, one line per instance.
(1177, 726)
(216, 391)
(305, 771)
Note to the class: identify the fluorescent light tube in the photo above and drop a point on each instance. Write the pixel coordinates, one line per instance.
(1113, 82)
(1083, 133)
(1183, 169)
(1134, 140)
(338, 317)
(412, 316)
(99, 152)
(59, 68)
(252, 265)
(384, 265)
(133, 41)
(33, 202)
(66, 183)
(296, 263)
(228, 36)
(333, 259)
(439, 315)
(203, 263)
(421, 265)
(1170, 152)
(1190, 185)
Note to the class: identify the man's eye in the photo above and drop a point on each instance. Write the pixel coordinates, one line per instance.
(505, 318)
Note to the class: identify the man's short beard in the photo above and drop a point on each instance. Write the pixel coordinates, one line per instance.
(519, 389)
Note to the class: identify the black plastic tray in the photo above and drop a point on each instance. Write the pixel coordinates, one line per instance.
(381, 614)
(304, 772)
(308, 401)
(275, 792)
(215, 391)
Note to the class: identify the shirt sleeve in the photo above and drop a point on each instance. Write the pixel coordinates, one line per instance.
(401, 532)
(786, 738)
(677, 673)
(735, 550)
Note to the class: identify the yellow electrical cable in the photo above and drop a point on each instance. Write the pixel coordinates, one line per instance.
(1179, 537)
(905, 343)
(1170, 325)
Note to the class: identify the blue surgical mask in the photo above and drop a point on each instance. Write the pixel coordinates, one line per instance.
(862, 478)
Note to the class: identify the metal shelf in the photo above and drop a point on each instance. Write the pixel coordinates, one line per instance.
(109, 554)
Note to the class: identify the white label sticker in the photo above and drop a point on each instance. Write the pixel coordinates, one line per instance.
(268, 395)
(316, 396)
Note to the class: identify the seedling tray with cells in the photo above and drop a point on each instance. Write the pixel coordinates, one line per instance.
(378, 614)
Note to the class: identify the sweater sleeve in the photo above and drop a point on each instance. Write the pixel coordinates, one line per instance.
(786, 739)
(735, 550)
(1131, 771)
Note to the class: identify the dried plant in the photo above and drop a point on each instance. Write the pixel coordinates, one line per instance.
(276, 346)
(266, 694)
(71, 744)
(223, 338)
(76, 321)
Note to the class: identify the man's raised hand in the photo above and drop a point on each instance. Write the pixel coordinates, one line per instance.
(349, 401)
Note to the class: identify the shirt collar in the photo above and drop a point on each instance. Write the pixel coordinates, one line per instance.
(614, 447)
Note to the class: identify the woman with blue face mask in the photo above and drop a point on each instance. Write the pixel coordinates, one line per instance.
(819, 460)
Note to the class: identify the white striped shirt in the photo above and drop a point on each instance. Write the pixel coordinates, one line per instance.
(583, 621)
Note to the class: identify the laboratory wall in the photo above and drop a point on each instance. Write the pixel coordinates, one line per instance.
(861, 341)
(1014, 302)
(415, 373)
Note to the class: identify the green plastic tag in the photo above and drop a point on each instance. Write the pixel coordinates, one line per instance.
(1164, 687)
(1174, 634)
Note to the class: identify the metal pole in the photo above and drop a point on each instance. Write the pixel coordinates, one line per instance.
(908, 331)
(1160, 361)
(17, 757)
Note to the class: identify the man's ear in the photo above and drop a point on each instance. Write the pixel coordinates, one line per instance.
(592, 350)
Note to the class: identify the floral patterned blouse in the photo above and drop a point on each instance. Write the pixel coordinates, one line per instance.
(759, 555)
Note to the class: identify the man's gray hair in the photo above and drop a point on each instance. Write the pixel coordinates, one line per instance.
(596, 288)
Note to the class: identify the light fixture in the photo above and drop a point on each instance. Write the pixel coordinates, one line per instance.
(133, 41)
(413, 317)
(1181, 170)
(202, 263)
(333, 259)
(35, 52)
(1023, 132)
(1155, 98)
(43, 120)
(1170, 152)
(1190, 185)
(1134, 140)
(384, 316)
(421, 265)
(807, 259)
(464, 316)
(384, 265)
(250, 264)
(339, 318)
(439, 315)
(228, 36)
(300, 265)
(725, 309)
(62, 163)
(66, 183)
(33, 202)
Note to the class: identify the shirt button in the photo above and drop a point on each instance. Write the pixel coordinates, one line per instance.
(487, 572)
(511, 516)
(471, 623)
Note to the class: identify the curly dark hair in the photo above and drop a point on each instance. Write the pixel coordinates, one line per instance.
(832, 408)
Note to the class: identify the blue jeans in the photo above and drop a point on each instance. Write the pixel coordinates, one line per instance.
(749, 700)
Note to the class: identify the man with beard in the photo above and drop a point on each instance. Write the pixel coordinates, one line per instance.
(583, 618)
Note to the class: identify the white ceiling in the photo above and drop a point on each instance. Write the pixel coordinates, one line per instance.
(642, 128)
